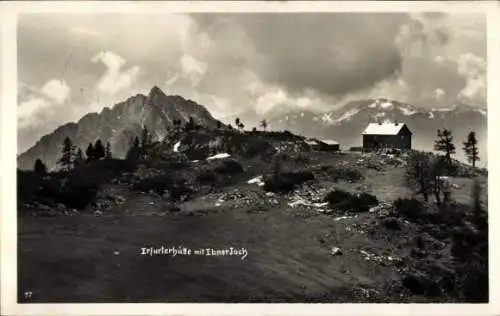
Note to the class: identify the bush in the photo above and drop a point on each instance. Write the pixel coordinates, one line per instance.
(346, 201)
(206, 177)
(346, 174)
(229, 166)
(286, 181)
(157, 184)
(161, 183)
(391, 223)
(409, 208)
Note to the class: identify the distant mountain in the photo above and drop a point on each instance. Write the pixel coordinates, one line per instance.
(118, 124)
(347, 123)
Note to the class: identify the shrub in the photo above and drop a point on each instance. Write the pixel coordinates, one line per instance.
(346, 201)
(409, 208)
(207, 177)
(346, 174)
(391, 223)
(286, 181)
(229, 166)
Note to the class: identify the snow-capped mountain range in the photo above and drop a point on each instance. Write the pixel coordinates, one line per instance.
(346, 123)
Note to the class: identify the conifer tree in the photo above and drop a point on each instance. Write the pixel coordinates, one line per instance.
(40, 167)
(444, 143)
(99, 151)
(263, 124)
(90, 152)
(79, 159)
(470, 149)
(68, 153)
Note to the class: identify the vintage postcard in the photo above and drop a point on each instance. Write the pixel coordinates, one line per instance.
(167, 154)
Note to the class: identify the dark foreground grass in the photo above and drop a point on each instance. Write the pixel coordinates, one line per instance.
(97, 259)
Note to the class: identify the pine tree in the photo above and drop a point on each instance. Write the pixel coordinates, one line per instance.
(444, 143)
(134, 149)
(241, 126)
(263, 124)
(470, 148)
(237, 122)
(190, 125)
(68, 153)
(108, 154)
(40, 167)
(219, 124)
(99, 151)
(90, 152)
(79, 159)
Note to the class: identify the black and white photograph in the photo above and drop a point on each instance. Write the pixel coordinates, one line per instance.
(251, 157)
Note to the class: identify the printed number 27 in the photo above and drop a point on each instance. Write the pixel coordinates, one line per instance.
(28, 294)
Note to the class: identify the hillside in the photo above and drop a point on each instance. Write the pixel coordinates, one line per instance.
(346, 124)
(118, 124)
(305, 226)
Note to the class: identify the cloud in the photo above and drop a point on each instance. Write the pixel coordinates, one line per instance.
(473, 70)
(38, 105)
(114, 79)
(84, 31)
(58, 90)
(266, 63)
(288, 50)
(29, 111)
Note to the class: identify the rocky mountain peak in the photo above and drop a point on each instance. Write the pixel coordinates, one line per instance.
(118, 123)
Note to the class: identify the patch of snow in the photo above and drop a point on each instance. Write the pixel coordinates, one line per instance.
(431, 115)
(219, 156)
(441, 110)
(286, 118)
(114, 130)
(483, 112)
(256, 180)
(302, 114)
(217, 204)
(327, 118)
(380, 114)
(407, 111)
(320, 204)
(347, 115)
(373, 105)
(176, 146)
(344, 217)
(386, 105)
(195, 160)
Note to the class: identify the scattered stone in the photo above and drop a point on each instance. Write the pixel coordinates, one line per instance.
(116, 253)
(97, 213)
(336, 251)
(383, 260)
(344, 217)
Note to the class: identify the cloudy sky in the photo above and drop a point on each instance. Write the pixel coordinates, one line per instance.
(69, 65)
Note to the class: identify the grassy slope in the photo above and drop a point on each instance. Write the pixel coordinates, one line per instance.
(73, 259)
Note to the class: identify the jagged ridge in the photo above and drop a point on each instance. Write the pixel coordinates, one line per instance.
(118, 124)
